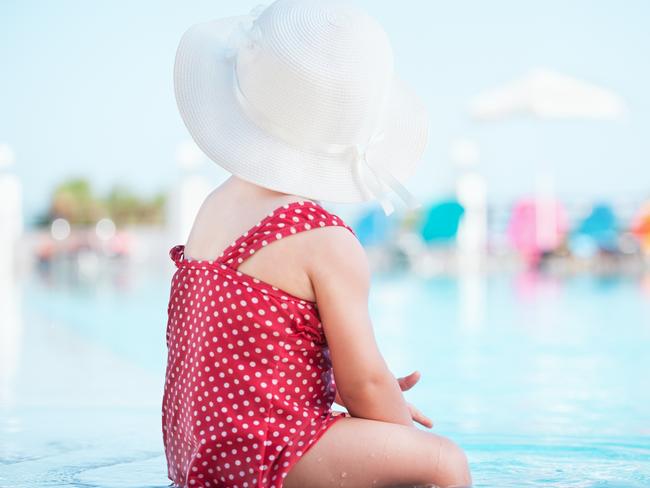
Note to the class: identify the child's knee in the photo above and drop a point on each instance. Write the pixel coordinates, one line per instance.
(451, 466)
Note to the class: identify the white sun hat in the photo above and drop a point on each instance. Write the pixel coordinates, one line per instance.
(301, 97)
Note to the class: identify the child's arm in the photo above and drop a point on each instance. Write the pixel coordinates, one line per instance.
(405, 383)
(339, 272)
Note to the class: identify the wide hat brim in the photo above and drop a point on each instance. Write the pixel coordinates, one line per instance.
(203, 84)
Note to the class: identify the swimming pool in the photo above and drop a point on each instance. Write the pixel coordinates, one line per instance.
(544, 382)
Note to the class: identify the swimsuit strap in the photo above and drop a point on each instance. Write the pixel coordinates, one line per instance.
(288, 219)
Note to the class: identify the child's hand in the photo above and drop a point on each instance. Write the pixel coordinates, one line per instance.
(419, 417)
(408, 382)
(405, 383)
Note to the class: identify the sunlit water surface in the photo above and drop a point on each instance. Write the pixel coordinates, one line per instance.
(543, 382)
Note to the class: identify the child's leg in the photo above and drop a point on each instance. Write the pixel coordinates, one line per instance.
(360, 453)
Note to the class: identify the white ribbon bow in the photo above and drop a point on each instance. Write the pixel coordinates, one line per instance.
(247, 34)
(374, 178)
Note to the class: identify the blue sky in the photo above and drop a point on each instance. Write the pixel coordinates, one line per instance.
(86, 89)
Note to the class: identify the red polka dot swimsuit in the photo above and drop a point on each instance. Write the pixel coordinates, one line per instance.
(249, 386)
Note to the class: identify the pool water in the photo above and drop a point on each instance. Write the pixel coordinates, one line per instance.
(543, 382)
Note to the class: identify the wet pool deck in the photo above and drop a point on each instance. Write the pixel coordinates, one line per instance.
(79, 415)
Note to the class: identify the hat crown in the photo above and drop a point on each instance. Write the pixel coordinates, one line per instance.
(321, 71)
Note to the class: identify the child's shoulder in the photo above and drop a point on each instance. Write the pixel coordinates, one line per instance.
(297, 217)
(316, 245)
(310, 214)
(334, 250)
(323, 234)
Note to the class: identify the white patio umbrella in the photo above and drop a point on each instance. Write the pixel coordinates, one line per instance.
(547, 94)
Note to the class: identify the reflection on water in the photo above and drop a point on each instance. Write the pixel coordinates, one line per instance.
(541, 380)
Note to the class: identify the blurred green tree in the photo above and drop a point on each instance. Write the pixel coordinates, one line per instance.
(75, 201)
